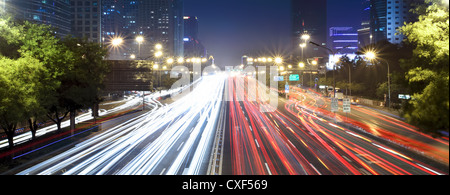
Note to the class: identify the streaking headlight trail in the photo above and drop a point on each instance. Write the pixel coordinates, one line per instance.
(174, 140)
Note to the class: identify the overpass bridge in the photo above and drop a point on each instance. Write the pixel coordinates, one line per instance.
(127, 75)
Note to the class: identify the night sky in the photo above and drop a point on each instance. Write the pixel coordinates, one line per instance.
(232, 28)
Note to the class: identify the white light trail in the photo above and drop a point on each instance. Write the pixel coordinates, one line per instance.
(161, 141)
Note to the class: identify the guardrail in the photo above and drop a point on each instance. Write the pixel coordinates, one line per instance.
(216, 159)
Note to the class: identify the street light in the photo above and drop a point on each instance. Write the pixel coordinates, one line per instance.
(303, 45)
(158, 47)
(180, 60)
(334, 66)
(306, 37)
(116, 42)
(301, 65)
(140, 40)
(278, 60)
(371, 55)
(158, 54)
(170, 61)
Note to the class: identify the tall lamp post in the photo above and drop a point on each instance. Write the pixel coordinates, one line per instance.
(139, 40)
(373, 56)
(158, 55)
(334, 66)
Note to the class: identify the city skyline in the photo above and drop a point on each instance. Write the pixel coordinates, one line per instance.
(246, 26)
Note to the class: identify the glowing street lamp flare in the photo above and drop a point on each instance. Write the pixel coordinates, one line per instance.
(140, 39)
(158, 46)
(371, 55)
(117, 42)
(158, 54)
(278, 60)
(180, 60)
(301, 65)
(306, 37)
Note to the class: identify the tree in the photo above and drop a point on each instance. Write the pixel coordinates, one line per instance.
(25, 80)
(39, 42)
(9, 37)
(428, 70)
(43, 76)
(83, 83)
(18, 92)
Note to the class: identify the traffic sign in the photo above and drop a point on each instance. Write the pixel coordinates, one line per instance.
(286, 87)
(347, 105)
(334, 105)
(278, 78)
(294, 77)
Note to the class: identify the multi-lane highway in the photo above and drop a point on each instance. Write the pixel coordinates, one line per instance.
(377, 123)
(298, 139)
(299, 136)
(174, 139)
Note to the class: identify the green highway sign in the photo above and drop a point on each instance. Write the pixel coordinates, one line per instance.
(294, 77)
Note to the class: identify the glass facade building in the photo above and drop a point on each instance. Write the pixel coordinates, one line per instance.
(86, 19)
(192, 45)
(158, 21)
(344, 40)
(386, 16)
(56, 13)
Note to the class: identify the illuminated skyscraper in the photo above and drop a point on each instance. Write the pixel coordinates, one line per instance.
(192, 45)
(344, 40)
(364, 33)
(86, 20)
(386, 16)
(56, 13)
(158, 21)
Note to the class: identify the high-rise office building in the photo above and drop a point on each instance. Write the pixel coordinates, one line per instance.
(309, 17)
(86, 19)
(398, 12)
(386, 16)
(344, 40)
(190, 27)
(192, 45)
(158, 21)
(378, 21)
(55, 13)
(112, 18)
(364, 33)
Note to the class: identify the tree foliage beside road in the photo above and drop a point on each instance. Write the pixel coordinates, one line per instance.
(428, 69)
(418, 67)
(44, 77)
